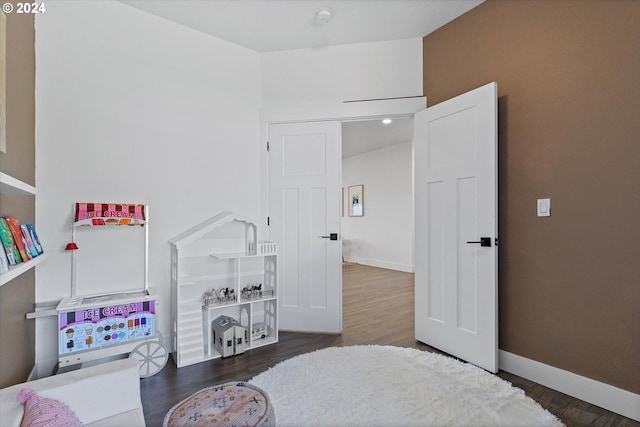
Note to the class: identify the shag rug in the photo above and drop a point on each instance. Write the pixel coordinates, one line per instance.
(393, 386)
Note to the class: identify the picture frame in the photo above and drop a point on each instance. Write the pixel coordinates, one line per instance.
(356, 200)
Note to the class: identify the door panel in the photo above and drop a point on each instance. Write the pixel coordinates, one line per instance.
(436, 256)
(318, 246)
(467, 266)
(455, 155)
(304, 195)
(289, 249)
(304, 155)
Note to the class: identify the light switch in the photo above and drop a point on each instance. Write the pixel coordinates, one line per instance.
(544, 207)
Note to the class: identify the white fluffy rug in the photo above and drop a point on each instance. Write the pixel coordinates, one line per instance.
(393, 386)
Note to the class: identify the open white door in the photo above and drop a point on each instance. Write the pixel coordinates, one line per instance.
(456, 305)
(304, 217)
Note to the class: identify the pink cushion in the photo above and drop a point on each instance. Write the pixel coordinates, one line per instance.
(45, 412)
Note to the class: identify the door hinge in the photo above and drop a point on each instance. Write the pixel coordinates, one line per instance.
(267, 145)
(267, 221)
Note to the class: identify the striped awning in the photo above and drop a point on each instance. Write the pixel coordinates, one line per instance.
(99, 214)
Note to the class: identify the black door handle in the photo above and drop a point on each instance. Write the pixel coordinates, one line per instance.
(484, 241)
(332, 236)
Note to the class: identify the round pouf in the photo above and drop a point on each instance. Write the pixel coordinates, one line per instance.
(235, 403)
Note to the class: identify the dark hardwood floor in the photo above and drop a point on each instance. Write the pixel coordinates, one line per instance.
(373, 299)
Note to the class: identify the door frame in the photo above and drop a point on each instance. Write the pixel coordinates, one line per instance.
(361, 110)
(303, 205)
(358, 110)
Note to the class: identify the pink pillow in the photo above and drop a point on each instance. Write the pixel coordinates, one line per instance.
(45, 412)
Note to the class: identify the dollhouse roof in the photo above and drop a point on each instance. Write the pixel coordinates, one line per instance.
(196, 232)
(224, 323)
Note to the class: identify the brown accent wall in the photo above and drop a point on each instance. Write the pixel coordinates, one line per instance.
(17, 335)
(568, 76)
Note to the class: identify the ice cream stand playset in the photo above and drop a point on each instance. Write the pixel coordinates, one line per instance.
(93, 327)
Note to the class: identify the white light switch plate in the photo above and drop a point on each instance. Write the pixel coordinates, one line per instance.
(544, 207)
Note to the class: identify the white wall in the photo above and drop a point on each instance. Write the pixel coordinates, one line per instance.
(314, 83)
(383, 237)
(132, 108)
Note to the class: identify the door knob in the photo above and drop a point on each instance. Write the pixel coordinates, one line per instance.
(484, 241)
(332, 236)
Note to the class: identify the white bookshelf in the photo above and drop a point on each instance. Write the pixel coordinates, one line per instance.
(23, 267)
(13, 186)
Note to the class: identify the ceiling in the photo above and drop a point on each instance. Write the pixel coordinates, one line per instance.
(359, 137)
(271, 25)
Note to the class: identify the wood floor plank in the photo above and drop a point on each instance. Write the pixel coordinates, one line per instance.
(373, 299)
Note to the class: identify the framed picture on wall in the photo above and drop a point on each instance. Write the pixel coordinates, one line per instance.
(356, 200)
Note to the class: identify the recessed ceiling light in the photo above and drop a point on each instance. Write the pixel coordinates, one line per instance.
(386, 121)
(324, 15)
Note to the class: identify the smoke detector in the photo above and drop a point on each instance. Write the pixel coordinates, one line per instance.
(324, 15)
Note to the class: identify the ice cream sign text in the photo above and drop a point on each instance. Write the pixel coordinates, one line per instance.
(110, 214)
(113, 310)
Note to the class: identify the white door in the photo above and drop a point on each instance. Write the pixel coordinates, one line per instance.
(304, 212)
(456, 304)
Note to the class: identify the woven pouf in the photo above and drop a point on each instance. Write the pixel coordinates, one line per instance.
(234, 403)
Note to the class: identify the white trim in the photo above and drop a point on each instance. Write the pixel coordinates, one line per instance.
(604, 395)
(342, 111)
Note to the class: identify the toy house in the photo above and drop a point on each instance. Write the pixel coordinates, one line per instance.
(229, 336)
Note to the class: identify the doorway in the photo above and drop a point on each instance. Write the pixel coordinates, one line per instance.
(299, 285)
(377, 161)
(377, 172)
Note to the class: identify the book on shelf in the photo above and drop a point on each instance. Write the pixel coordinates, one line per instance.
(4, 263)
(33, 236)
(14, 226)
(9, 244)
(29, 246)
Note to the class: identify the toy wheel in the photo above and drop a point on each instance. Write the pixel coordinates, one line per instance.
(152, 356)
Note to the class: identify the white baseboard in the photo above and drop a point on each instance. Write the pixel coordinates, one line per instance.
(382, 264)
(600, 394)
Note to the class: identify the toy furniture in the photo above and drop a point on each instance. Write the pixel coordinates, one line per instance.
(94, 327)
(219, 268)
(229, 336)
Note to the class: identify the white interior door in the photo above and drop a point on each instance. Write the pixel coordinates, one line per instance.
(304, 211)
(456, 304)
